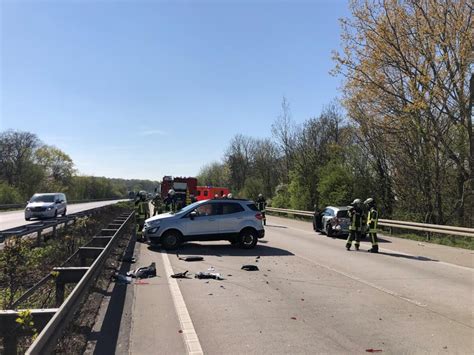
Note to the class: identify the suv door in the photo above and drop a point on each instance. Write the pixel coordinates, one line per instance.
(230, 217)
(205, 224)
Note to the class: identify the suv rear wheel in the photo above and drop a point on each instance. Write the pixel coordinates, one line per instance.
(248, 238)
(171, 240)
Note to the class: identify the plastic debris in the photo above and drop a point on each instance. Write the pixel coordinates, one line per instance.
(191, 258)
(294, 318)
(373, 350)
(208, 275)
(180, 275)
(211, 269)
(250, 268)
(143, 272)
(122, 279)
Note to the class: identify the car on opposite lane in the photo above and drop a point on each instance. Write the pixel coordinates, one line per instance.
(46, 205)
(235, 220)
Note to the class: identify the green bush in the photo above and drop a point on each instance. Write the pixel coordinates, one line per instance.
(9, 194)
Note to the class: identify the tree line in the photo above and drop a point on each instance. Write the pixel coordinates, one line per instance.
(28, 166)
(401, 133)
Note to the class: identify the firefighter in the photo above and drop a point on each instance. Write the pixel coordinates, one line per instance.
(261, 204)
(157, 204)
(192, 198)
(142, 212)
(372, 219)
(355, 214)
(170, 201)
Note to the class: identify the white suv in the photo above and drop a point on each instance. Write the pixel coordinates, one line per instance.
(235, 220)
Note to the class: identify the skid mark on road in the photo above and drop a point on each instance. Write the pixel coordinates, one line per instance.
(190, 337)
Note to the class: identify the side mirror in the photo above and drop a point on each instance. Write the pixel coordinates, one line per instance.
(193, 214)
(58, 201)
(27, 202)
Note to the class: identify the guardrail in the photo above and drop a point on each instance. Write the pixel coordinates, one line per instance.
(40, 226)
(423, 227)
(71, 202)
(53, 321)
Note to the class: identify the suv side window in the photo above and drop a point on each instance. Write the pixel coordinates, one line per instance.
(252, 206)
(207, 209)
(229, 208)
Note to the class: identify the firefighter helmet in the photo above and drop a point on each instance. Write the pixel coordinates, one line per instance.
(369, 202)
(229, 195)
(357, 201)
(171, 192)
(260, 195)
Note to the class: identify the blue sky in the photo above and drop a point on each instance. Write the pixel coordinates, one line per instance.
(142, 89)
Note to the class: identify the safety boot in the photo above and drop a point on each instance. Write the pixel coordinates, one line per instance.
(348, 246)
(374, 249)
(357, 246)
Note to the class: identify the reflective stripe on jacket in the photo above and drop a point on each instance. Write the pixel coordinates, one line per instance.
(372, 220)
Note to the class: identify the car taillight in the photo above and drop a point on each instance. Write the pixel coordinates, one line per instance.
(258, 216)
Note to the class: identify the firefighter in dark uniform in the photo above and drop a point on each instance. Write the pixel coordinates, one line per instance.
(261, 204)
(372, 220)
(142, 212)
(157, 204)
(355, 214)
(170, 201)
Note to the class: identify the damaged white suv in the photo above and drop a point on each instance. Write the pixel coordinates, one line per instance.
(235, 220)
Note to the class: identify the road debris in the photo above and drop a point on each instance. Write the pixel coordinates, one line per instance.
(208, 275)
(143, 272)
(122, 279)
(373, 350)
(250, 267)
(180, 275)
(190, 258)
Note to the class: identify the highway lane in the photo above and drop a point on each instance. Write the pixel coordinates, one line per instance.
(12, 219)
(311, 296)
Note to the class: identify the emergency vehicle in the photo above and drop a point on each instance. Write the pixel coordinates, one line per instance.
(208, 192)
(182, 186)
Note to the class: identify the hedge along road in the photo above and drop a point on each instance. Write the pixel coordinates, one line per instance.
(312, 296)
(13, 219)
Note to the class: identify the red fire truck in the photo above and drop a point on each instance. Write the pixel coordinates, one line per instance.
(207, 192)
(182, 186)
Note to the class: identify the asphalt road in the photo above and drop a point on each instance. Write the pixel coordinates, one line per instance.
(17, 218)
(309, 296)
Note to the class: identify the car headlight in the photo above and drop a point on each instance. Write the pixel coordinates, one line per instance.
(27, 208)
(153, 230)
(154, 223)
(50, 208)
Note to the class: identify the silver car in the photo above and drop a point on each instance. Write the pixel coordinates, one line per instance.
(46, 206)
(235, 220)
(334, 221)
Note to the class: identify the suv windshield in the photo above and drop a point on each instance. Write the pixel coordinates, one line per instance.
(42, 198)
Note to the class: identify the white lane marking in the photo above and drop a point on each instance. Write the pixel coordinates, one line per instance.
(190, 337)
(398, 252)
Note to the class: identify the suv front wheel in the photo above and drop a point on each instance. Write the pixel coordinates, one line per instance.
(171, 239)
(248, 238)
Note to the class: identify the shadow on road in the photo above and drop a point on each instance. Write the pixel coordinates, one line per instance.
(107, 338)
(225, 250)
(411, 257)
(366, 239)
